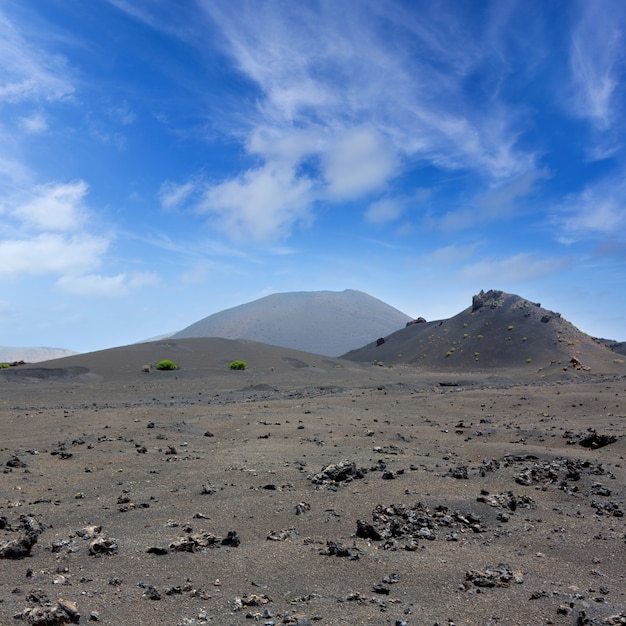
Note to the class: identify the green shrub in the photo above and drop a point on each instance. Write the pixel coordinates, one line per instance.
(166, 365)
(238, 365)
(4, 365)
(511, 327)
(529, 360)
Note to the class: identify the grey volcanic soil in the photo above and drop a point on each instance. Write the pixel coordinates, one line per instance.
(199, 497)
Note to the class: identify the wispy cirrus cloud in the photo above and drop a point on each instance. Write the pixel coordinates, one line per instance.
(597, 212)
(33, 124)
(499, 202)
(27, 73)
(518, 268)
(105, 286)
(597, 61)
(452, 254)
(339, 113)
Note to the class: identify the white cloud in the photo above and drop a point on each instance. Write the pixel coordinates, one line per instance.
(50, 253)
(51, 239)
(54, 206)
(287, 145)
(359, 162)
(260, 205)
(383, 211)
(106, 286)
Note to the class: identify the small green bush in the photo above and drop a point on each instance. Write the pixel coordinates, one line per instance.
(511, 327)
(238, 365)
(4, 365)
(166, 365)
(529, 360)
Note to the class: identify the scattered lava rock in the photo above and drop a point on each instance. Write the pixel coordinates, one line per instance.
(198, 542)
(342, 472)
(103, 546)
(412, 523)
(18, 548)
(594, 441)
(21, 547)
(459, 472)
(336, 548)
(231, 539)
(365, 530)
(507, 500)
(15, 462)
(500, 576)
(250, 600)
(50, 614)
(282, 535)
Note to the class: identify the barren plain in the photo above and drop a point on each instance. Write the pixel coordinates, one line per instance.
(309, 490)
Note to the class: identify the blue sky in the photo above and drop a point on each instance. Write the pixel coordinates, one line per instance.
(161, 161)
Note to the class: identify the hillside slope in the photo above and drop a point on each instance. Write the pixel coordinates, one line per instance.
(321, 322)
(499, 330)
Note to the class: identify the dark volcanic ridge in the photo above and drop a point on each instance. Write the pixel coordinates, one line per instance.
(499, 330)
(321, 322)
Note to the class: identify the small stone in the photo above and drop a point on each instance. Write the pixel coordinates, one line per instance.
(231, 539)
(102, 545)
(151, 593)
(18, 548)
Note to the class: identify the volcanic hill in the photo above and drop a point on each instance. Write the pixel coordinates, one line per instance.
(321, 322)
(499, 330)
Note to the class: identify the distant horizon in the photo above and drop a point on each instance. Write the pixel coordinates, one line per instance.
(170, 335)
(213, 153)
